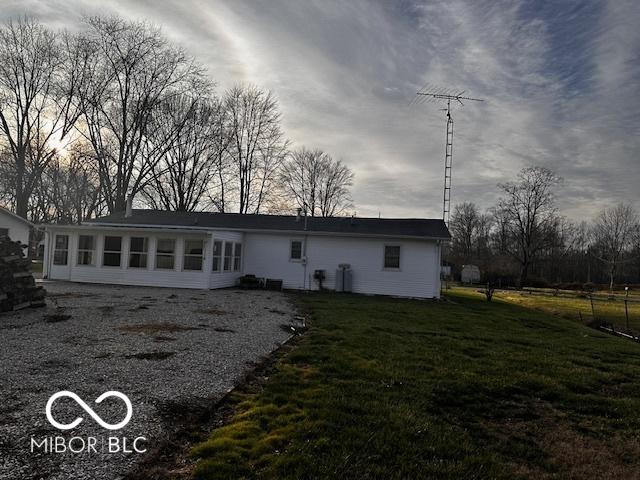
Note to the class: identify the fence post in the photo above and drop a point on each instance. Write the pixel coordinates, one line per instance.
(626, 308)
(593, 310)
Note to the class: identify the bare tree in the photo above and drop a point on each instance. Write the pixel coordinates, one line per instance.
(181, 180)
(257, 146)
(464, 229)
(69, 188)
(336, 181)
(134, 70)
(529, 211)
(613, 232)
(316, 182)
(40, 73)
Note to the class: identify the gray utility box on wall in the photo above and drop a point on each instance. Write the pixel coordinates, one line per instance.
(344, 278)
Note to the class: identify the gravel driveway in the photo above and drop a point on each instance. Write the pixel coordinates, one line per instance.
(165, 349)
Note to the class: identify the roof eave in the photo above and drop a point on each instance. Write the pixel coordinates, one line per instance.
(184, 228)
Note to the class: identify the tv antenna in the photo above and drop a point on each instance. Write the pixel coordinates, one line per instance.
(427, 95)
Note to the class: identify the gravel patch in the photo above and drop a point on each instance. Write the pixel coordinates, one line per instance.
(164, 348)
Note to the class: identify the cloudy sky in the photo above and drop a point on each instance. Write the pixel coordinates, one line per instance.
(561, 81)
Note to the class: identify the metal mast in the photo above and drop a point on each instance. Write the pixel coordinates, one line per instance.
(441, 94)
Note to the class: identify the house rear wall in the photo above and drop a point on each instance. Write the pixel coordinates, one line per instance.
(267, 255)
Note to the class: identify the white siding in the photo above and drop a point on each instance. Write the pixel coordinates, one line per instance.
(149, 276)
(264, 255)
(267, 255)
(18, 230)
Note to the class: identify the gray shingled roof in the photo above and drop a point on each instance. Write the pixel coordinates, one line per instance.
(412, 227)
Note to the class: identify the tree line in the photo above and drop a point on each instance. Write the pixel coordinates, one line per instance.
(524, 241)
(117, 110)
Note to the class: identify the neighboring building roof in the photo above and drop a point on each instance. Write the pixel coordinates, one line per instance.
(17, 217)
(391, 227)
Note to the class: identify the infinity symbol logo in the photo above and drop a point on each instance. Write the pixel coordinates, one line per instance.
(88, 409)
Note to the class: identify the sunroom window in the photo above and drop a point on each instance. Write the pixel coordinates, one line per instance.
(86, 249)
(138, 251)
(112, 251)
(165, 253)
(193, 254)
(61, 250)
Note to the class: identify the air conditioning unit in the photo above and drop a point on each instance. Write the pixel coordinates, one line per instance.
(344, 278)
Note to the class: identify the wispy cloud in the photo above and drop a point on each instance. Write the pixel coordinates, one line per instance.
(561, 80)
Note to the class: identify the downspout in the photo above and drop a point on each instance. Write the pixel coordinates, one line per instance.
(306, 260)
(46, 269)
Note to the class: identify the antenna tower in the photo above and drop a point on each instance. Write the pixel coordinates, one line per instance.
(433, 95)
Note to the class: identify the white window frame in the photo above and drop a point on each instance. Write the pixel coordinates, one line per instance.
(384, 257)
(301, 242)
(173, 254)
(87, 250)
(186, 255)
(229, 257)
(105, 251)
(65, 250)
(142, 253)
(238, 267)
(216, 266)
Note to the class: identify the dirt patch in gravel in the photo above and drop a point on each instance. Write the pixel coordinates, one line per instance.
(151, 355)
(224, 330)
(210, 311)
(154, 328)
(56, 317)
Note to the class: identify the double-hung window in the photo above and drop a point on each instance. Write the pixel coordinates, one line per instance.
(237, 257)
(86, 249)
(61, 250)
(193, 254)
(165, 253)
(228, 256)
(112, 252)
(138, 251)
(217, 255)
(295, 252)
(392, 257)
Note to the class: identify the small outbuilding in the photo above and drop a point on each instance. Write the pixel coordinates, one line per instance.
(14, 226)
(209, 250)
(470, 274)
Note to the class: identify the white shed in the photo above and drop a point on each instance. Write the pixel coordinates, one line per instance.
(17, 228)
(212, 250)
(470, 274)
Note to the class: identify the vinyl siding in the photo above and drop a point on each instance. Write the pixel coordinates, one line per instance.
(149, 276)
(264, 255)
(267, 255)
(18, 231)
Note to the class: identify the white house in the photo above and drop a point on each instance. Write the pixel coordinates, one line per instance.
(16, 227)
(213, 250)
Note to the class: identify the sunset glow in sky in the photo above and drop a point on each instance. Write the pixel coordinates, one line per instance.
(561, 80)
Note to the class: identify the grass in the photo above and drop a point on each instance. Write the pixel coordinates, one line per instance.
(36, 266)
(399, 389)
(571, 307)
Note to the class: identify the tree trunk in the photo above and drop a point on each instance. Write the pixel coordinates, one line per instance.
(524, 273)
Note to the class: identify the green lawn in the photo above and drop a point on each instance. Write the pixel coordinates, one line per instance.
(572, 307)
(382, 388)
